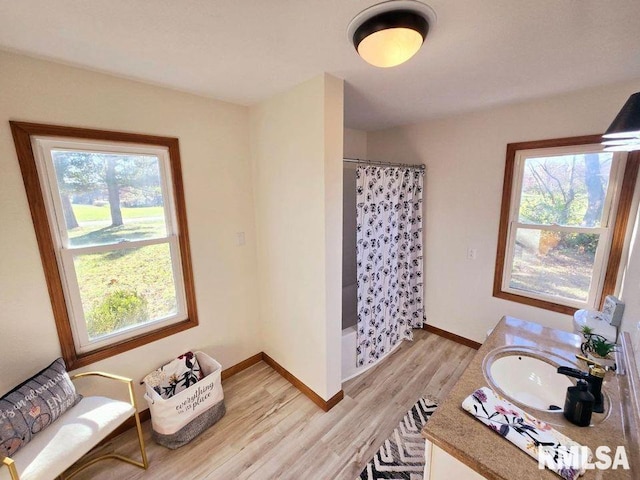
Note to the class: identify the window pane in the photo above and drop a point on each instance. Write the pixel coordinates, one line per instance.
(125, 288)
(109, 198)
(565, 190)
(553, 263)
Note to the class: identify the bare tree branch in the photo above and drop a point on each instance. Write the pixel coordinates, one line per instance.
(543, 186)
(552, 177)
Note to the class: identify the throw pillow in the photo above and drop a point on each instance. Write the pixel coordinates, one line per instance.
(175, 376)
(34, 405)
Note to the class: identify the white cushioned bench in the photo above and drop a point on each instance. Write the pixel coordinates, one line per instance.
(51, 452)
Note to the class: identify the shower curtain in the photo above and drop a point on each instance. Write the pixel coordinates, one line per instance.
(389, 258)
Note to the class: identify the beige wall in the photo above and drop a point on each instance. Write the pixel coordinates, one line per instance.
(355, 143)
(631, 281)
(465, 158)
(296, 149)
(333, 153)
(214, 145)
(355, 146)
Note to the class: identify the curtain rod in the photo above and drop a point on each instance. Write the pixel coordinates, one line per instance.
(384, 164)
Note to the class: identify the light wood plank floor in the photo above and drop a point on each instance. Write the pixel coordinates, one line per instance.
(272, 431)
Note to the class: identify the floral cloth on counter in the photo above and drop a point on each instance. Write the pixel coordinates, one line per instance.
(561, 454)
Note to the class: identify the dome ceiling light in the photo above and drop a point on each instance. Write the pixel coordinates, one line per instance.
(390, 33)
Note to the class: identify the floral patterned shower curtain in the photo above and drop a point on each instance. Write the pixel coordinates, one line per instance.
(389, 258)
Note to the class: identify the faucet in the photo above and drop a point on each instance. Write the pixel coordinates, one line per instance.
(594, 378)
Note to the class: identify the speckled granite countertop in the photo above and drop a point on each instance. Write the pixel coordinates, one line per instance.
(465, 438)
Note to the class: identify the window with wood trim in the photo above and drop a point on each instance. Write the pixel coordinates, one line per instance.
(565, 210)
(109, 214)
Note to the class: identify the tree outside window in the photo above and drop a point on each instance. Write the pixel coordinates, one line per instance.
(113, 236)
(560, 210)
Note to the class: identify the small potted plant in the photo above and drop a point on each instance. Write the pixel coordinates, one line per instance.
(586, 332)
(597, 348)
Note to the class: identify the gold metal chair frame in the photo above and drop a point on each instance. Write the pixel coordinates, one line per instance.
(13, 472)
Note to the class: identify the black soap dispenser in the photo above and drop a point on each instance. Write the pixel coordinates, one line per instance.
(579, 403)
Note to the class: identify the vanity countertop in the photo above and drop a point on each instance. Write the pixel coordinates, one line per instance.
(471, 442)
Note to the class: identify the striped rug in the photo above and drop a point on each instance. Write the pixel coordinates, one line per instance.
(401, 456)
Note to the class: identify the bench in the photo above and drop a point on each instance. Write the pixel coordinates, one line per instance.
(57, 448)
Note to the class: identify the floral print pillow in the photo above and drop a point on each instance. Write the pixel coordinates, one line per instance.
(175, 376)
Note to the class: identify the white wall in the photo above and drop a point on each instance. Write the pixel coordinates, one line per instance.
(296, 149)
(333, 153)
(465, 158)
(355, 143)
(630, 293)
(355, 146)
(214, 146)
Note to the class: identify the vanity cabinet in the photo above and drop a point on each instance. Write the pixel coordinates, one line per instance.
(439, 465)
(462, 437)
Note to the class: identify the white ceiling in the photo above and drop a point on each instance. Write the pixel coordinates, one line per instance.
(479, 53)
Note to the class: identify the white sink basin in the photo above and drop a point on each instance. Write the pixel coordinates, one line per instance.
(530, 381)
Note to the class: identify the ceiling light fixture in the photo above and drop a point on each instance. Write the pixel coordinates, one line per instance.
(390, 33)
(623, 135)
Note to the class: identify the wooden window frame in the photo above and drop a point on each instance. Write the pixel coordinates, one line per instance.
(618, 236)
(22, 136)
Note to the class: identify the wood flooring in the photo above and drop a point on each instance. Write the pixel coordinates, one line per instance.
(272, 431)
